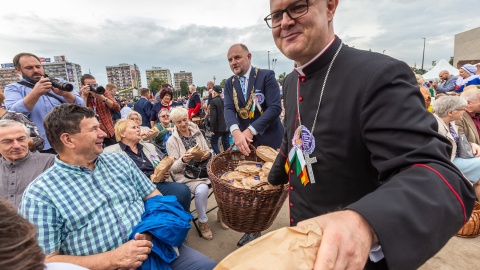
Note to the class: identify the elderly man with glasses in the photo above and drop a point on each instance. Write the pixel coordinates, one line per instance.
(379, 177)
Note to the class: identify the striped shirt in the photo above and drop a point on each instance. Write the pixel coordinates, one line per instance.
(83, 212)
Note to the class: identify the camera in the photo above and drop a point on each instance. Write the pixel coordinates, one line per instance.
(97, 89)
(64, 86)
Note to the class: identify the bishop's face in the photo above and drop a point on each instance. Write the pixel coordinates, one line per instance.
(303, 38)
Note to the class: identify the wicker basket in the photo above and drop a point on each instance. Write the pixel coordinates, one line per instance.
(244, 210)
(472, 227)
(198, 121)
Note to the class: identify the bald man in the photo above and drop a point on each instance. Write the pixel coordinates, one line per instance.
(448, 82)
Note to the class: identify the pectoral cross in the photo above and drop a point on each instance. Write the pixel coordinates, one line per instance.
(309, 161)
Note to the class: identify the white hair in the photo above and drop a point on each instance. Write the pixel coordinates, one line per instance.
(443, 105)
(471, 95)
(178, 113)
(5, 123)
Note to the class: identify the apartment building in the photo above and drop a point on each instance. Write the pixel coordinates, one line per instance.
(60, 68)
(162, 74)
(8, 75)
(124, 76)
(182, 76)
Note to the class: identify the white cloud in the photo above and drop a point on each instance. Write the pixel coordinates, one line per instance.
(195, 35)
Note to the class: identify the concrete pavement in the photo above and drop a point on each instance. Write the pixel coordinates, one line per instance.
(458, 254)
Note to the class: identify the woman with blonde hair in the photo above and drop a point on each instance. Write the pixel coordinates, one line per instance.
(146, 156)
(145, 132)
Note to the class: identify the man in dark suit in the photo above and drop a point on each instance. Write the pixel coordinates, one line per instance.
(144, 107)
(252, 107)
(260, 94)
(218, 127)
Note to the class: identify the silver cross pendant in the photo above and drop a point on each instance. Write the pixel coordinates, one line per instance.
(309, 161)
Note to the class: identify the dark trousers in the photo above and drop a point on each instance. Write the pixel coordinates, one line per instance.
(192, 260)
(179, 190)
(225, 141)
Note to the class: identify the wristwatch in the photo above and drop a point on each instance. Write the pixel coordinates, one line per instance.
(105, 99)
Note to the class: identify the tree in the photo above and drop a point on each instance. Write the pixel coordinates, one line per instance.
(451, 60)
(434, 63)
(183, 88)
(418, 70)
(222, 83)
(156, 84)
(281, 77)
(201, 89)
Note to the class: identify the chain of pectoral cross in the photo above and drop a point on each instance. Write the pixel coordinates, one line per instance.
(311, 160)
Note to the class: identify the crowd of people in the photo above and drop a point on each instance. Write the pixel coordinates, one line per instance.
(363, 157)
(456, 106)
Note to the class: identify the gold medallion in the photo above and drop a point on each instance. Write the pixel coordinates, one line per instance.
(243, 113)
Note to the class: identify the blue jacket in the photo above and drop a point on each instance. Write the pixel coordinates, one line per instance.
(165, 219)
(144, 108)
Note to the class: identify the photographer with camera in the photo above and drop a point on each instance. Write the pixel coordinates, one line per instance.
(36, 94)
(101, 102)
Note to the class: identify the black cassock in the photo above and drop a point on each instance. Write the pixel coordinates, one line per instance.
(378, 153)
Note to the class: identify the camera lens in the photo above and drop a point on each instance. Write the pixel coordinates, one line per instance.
(64, 86)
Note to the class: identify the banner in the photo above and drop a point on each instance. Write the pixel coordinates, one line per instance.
(60, 58)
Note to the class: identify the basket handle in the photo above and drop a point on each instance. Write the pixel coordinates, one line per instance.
(258, 186)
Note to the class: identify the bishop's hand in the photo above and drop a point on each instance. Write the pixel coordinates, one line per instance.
(347, 238)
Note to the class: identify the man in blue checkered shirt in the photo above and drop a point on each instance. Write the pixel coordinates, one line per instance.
(86, 205)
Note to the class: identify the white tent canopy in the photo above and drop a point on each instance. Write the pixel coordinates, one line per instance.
(441, 65)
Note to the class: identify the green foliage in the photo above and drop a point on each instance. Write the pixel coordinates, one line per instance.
(201, 89)
(184, 88)
(434, 63)
(156, 83)
(451, 60)
(222, 83)
(281, 76)
(418, 70)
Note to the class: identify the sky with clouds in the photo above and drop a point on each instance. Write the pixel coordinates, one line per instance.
(194, 35)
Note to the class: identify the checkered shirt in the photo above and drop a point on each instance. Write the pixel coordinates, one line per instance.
(104, 113)
(82, 212)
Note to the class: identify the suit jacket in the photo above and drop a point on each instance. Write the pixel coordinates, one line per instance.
(144, 108)
(268, 124)
(466, 125)
(217, 115)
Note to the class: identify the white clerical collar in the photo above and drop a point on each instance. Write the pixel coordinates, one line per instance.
(247, 74)
(300, 69)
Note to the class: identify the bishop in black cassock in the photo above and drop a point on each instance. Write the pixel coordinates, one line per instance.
(378, 153)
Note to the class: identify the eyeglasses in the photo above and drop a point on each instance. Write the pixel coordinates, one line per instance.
(165, 116)
(294, 11)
